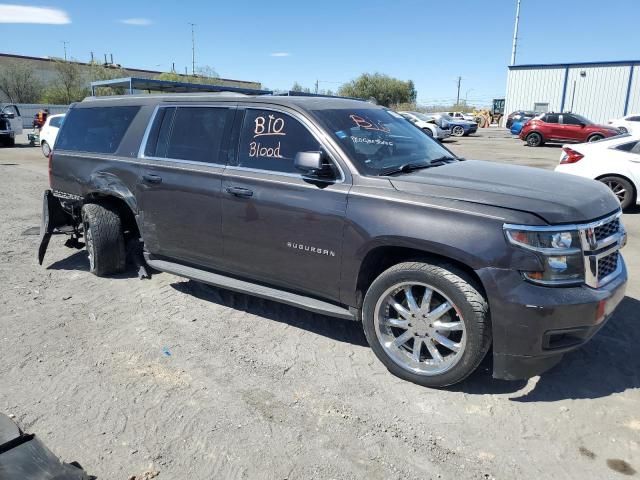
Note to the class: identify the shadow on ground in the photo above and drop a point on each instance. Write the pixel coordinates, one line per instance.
(79, 261)
(334, 328)
(608, 364)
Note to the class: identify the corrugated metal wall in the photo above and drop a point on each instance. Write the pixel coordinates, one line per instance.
(598, 92)
(530, 86)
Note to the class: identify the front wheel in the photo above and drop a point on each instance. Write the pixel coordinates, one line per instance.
(595, 138)
(427, 323)
(457, 131)
(623, 129)
(104, 239)
(428, 132)
(534, 139)
(622, 188)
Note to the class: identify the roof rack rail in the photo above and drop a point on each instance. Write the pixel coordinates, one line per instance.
(168, 86)
(292, 93)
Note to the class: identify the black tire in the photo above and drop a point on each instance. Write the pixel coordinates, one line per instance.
(534, 139)
(595, 138)
(457, 131)
(11, 142)
(465, 295)
(104, 239)
(621, 188)
(428, 132)
(46, 149)
(623, 129)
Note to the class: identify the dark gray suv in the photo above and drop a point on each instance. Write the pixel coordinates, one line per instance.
(344, 208)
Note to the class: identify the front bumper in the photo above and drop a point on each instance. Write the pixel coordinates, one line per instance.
(534, 326)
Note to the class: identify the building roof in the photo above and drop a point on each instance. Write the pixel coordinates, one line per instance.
(168, 86)
(130, 69)
(618, 63)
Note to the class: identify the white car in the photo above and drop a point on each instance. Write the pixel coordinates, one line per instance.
(49, 132)
(628, 124)
(462, 116)
(427, 124)
(615, 161)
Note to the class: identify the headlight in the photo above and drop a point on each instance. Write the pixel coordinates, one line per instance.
(560, 253)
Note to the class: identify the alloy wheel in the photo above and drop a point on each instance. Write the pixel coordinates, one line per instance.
(457, 131)
(420, 328)
(618, 189)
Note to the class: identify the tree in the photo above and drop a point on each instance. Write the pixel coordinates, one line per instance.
(296, 87)
(19, 83)
(70, 84)
(384, 89)
(204, 75)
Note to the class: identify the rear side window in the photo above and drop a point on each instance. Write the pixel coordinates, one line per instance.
(56, 122)
(188, 133)
(95, 130)
(635, 118)
(551, 118)
(632, 147)
(270, 141)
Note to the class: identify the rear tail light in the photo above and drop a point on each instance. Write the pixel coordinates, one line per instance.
(570, 156)
(50, 168)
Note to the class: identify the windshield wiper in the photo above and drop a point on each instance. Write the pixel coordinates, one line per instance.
(411, 167)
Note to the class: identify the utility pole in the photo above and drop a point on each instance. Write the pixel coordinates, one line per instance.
(317, 86)
(515, 34)
(64, 44)
(193, 49)
(458, 97)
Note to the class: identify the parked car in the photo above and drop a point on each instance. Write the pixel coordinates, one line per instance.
(49, 132)
(427, 124)
(519, 116)
(342, 207)
(563, 127)
(459, 128)
(615, 162)
(516, 127)
(10, 124)
(628, 124)
(462, 116)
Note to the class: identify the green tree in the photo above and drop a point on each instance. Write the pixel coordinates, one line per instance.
(70, 84)
(384, 89)
(296, 87)
(19, 83)
(204, 75)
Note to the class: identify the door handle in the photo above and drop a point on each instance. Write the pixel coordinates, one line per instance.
(239, 192)
(152, 178)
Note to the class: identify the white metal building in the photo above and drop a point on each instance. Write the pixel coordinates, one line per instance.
(597, 90)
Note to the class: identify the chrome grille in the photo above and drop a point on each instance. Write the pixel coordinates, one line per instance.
(606, 230)
(607, 265)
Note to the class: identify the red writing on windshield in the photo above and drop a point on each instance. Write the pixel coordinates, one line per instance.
(367, 124)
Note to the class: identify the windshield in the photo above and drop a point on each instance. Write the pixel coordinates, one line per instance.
(378, 140)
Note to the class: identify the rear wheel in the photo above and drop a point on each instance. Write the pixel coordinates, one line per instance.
(427, 323)
(623, 129)
(457, 131)
(46, 149)
(104, 239)
(622, 188)
(534, 139)
(428, 131)
(595, 138)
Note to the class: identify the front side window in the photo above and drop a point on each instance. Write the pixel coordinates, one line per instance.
(379, 140)
(95, 129)
(270, 140)
(574, 119)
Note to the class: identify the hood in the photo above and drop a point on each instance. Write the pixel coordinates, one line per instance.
(556, 198)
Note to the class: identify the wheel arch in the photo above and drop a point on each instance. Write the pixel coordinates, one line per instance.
(127, 215)
(381, 257)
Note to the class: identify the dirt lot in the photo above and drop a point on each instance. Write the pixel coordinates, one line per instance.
(166, 375)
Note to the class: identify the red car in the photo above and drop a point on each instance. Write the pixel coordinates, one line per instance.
(564, 128)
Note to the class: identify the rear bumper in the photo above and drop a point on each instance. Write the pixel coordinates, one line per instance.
(534, 326)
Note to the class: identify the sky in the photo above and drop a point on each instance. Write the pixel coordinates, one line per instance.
(331, 41)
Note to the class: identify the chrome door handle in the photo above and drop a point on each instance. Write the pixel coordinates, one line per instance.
(239, 192)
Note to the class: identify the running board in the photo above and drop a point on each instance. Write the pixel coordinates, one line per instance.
(254, 289)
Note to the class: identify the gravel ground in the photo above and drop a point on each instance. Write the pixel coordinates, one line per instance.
(131, 377)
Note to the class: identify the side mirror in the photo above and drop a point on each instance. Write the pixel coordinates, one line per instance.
(312, 164)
